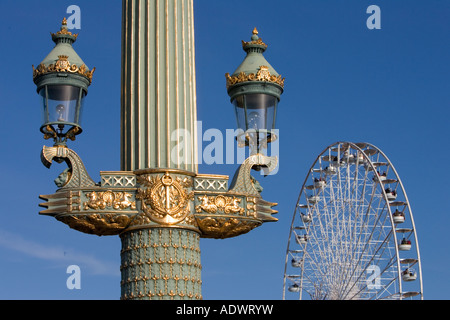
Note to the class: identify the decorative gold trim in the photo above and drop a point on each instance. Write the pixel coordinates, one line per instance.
(220, 203)
(63, 65)
(168, 86)
(117, 173)
(98, 224)
(253, 42)
(251, 206)
(221, 228)
(64, 30)
(174, 171)
(109, 199)
(212, 176)
(140, 224)
(262, 75)
(258, 42)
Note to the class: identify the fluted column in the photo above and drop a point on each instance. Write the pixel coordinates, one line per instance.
(160, 251)
(158, 85)
(161, 256)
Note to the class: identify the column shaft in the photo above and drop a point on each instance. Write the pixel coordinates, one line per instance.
(158, 85)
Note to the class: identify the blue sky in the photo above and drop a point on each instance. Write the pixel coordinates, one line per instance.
(344, 82)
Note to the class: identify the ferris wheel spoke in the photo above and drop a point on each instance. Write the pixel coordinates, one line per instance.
(364, 223)
(368, 243)
(371, 262)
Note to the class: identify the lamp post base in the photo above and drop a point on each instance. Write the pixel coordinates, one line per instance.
(161, 264)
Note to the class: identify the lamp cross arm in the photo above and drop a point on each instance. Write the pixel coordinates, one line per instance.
(222, 213)
(105, 208)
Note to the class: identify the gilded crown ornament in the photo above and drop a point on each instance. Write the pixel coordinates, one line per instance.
(255, 40)
(64, 30)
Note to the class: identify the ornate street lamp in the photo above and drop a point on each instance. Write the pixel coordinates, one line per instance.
(255, 89)
(158, 203)
(62, 81)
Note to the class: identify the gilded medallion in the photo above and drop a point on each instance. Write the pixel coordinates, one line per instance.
(165, 199)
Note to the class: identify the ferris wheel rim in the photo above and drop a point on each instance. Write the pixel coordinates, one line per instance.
(411, 215)
(293, 218)
(359, 147)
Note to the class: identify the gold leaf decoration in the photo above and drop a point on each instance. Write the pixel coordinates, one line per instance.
(262, 75)
(220, 203)
(63, 65)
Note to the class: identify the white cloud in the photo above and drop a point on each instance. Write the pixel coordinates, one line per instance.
(36, 250)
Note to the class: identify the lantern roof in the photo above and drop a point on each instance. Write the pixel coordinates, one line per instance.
(63, 59)
(255, 67)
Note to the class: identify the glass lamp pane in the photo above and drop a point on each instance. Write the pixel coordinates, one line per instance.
(255, 111)
(79, 114)
(63, 104)
(44, 113)
(239, 105)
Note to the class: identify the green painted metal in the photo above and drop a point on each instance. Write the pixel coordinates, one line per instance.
(62, 79)
(254, 87)
(252, 63)
(255, 58)
(160, 264)
(63, 47)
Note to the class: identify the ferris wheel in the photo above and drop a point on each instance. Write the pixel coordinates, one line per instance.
(352, 234)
